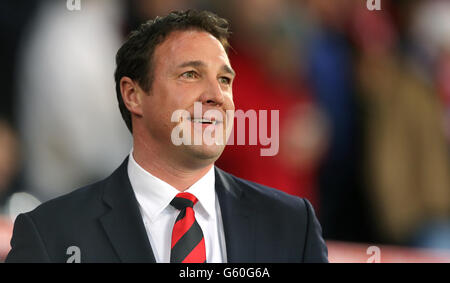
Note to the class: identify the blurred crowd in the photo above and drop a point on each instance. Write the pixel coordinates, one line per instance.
(364, 101)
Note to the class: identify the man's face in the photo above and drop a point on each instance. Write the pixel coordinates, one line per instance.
(190, 67)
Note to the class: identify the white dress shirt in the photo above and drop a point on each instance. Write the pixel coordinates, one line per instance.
(154, 197)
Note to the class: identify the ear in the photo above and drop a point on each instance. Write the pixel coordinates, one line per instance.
(131, 95)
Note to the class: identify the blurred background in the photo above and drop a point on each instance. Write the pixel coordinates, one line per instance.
(363, 95)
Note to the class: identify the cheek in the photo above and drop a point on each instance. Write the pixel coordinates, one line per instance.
(161, 105)
(157, 120)
(176, 90)
(229, 103)
(150, 113)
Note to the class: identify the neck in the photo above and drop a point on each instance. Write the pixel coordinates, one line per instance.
(151, 159)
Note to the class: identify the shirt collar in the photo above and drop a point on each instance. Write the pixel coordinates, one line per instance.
(154, 195)
(204, 191)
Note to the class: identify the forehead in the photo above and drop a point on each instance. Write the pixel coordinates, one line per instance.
(189, 45)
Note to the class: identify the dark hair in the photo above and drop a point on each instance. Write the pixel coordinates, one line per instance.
(135, 58)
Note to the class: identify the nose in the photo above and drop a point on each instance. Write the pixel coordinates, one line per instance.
(213, 94)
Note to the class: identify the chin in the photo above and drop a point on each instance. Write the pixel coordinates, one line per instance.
(206, 152)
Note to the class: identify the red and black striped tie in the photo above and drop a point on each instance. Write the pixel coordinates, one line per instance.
(188, 244)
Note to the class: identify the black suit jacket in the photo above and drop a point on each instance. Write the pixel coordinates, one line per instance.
(103, 220)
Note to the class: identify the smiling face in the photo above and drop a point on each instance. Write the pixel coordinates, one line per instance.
(191, 68)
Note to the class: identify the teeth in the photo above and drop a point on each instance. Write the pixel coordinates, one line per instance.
(203, 121)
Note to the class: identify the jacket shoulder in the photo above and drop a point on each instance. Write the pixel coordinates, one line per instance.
(286, 225)
(82, 202)
(267, 196)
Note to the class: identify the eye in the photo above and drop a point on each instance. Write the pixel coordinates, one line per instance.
(225, 80)
(190, 75)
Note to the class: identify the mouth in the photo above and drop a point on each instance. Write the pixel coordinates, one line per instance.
(205, 121)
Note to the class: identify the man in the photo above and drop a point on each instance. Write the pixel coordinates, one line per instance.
(167, 202)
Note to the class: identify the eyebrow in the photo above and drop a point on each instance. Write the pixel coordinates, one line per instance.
(228, 69)
(198, 64)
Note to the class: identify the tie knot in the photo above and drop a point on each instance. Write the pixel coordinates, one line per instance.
(183, 200)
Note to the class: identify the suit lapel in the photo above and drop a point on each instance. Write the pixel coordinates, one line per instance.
(126, 232)
(123, 223)
(237, 217)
